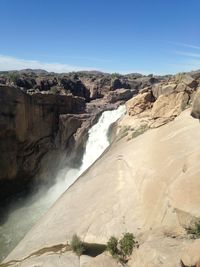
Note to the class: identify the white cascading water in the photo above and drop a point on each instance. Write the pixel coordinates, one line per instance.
(22, 217)
(96, 144)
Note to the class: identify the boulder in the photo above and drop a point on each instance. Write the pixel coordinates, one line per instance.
(195, 113)
(139, 103)
(169, 105)
(168, 88)
(163, 89)
(118, 95)
(186, 79)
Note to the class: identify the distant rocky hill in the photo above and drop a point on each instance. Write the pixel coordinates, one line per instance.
(87, 84)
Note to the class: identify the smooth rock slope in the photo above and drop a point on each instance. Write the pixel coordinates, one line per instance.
(148, 185)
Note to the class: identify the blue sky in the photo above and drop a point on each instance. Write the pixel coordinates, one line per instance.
(147, 36)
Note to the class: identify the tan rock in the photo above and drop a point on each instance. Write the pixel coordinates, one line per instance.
(169, 106)
(186, 79)
(191, 254)
(159, 251)
(163, 89)
(84, 260)
(130, 189)
(196, 106)
(139, 103)
(103, 260)
(168, 88)
(68, 259)
(120, 94)
(181, 87)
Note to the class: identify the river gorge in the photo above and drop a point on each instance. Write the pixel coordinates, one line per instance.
(25, 211)
(99, 155)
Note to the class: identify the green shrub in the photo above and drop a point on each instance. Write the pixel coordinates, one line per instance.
(194, 231)
(123, 248)
(77, 245)
(126, 244)
(112, 246)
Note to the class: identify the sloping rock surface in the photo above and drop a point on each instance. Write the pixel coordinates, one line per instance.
(144, 186)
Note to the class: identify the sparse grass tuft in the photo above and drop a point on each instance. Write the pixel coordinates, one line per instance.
(139, 131)
(194, 231)
(77, 245)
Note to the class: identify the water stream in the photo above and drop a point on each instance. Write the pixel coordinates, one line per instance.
(26, 211)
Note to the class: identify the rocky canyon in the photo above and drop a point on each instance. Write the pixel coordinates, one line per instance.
(146, 182)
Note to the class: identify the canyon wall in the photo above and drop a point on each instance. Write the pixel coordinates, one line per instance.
(28, 127)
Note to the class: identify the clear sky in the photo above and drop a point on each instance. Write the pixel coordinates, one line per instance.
(148, 36)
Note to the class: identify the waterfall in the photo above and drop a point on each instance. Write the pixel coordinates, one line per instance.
(26, 212)
(98, 137)
(96, 144)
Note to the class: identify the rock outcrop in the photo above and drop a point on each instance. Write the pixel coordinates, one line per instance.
(160, 103)
(140, 103)
(196, 106)
(169, 106)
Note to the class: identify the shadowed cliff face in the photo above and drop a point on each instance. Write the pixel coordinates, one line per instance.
(28, 125)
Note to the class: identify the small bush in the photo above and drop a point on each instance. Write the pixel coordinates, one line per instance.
(194, 231)
(123, 248)
(126, 244)
(77, 245)
(112, 246)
